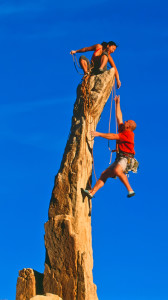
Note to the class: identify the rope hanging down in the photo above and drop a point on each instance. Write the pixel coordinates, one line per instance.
(113, 94)
(87, 105)
(76, 64)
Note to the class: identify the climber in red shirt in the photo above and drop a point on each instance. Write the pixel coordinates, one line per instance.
(125, 160)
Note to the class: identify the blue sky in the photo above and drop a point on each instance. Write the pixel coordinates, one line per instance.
(38, 90)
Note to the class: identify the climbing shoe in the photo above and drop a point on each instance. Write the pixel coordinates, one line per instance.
(131, 194)
(87, 194)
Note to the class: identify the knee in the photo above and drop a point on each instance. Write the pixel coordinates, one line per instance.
(82, 59)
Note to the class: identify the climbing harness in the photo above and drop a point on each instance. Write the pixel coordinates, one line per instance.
(132, 163)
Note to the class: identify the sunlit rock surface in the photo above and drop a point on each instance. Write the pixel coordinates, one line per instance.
(68, 237)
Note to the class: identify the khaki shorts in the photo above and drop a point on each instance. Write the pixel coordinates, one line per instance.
(127, 164)
(96, 65)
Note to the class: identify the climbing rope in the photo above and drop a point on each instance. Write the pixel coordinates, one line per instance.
(75, 61)
(113, 94)
(87, 105)
(85, 88)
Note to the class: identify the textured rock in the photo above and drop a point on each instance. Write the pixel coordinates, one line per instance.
(48, 296)
(68, 241)
(29, 284)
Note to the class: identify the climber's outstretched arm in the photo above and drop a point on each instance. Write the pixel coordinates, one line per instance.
(108, 136)
(111, 61)
(85, 49)
(118, 110)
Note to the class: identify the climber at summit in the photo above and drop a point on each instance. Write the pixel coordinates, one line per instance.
(125, 160)
(99, 60)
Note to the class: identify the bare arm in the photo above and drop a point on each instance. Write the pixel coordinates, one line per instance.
(108, 136)
(85, 49)
(111, 61)
(118, 110)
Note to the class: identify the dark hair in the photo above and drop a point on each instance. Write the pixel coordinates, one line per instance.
(104, 44)
(111, 43)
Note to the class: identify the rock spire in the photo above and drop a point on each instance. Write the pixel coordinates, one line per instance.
(68, 237)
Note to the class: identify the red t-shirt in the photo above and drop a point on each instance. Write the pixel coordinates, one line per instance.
(126, 141)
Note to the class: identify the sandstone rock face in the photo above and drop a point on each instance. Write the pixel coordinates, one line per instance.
(48, 296)
(68, 240)
(29, 284)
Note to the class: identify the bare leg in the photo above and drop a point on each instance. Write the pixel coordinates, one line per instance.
(84, 65)
(101, 181)
(123, 177)
(99, 184)
(104, 61)
(117, 171)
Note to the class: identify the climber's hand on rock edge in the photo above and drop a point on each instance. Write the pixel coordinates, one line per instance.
(94, 133)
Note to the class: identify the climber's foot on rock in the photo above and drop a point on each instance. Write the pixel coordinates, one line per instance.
(87, 193)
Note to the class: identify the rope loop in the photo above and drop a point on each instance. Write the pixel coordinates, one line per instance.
(76, 64)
